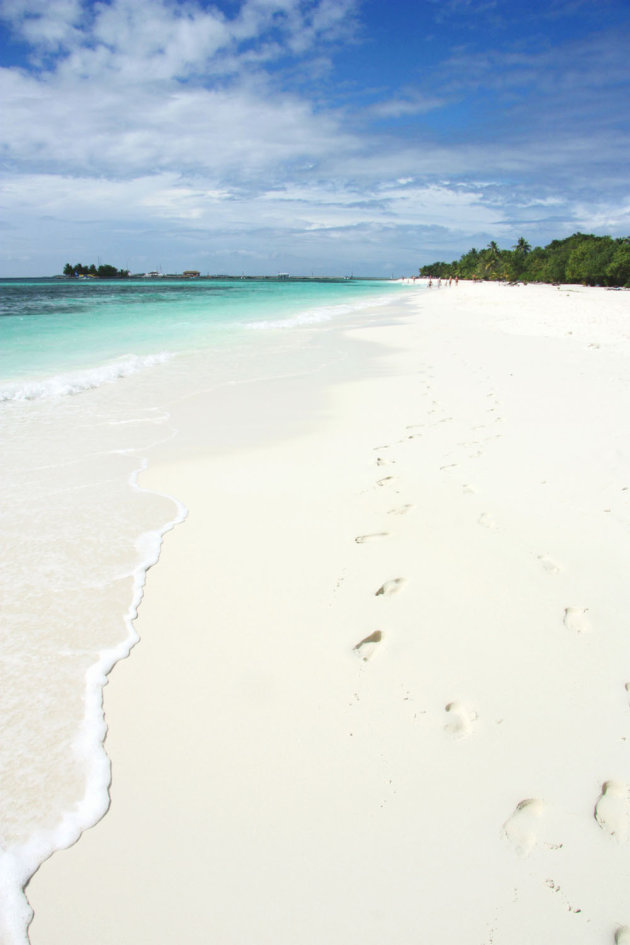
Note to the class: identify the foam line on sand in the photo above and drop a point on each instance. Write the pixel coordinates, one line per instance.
(382, 693)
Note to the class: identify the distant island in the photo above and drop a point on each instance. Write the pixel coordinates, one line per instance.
(80, 271)
(581, 258)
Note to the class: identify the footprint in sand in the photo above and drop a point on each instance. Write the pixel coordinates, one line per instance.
(401, 510)
(361, 539)
(520, 828)
(549, 564)
(365, 648)
(622, 935)
(390, 587)
(461, 720)
(612, 810)
(486, 521)
(576, 619)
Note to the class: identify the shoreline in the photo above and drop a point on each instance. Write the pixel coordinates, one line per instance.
(359, 692)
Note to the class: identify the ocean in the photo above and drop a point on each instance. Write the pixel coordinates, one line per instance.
(90, 375)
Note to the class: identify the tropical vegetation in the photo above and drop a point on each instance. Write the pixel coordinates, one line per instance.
(581, 258)
(95, 272)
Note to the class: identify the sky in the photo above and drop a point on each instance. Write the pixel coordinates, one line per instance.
(315, 137)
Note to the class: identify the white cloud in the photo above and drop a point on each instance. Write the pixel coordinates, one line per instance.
(115, 102)
(603, 217)
(413, 103)
(89, 127)
(160, 122)
(152, 40)
(51, 24)
(170, 197)
(142, 41)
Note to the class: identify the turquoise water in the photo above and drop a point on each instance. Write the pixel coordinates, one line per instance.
(92, 378)
(50, 327)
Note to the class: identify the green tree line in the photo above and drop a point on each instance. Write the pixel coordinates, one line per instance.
(581, 258)
(102, 272)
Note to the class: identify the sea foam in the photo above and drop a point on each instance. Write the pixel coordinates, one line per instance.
(322, 313)
(19, 862)
(75, 382)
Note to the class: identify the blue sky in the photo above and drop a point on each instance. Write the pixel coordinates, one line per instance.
(307, 136)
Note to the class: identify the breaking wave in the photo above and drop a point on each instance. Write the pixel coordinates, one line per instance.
(75, 382)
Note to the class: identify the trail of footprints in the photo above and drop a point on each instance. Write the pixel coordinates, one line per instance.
(611, 812)
(366, 647)
(459, 718)
(522, 829)
(575, 619)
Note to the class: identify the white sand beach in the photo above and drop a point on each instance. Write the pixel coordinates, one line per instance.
(382, 693)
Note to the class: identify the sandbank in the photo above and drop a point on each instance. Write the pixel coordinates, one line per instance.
(382, 690)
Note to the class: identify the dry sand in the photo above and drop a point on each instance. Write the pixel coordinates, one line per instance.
(382, 693)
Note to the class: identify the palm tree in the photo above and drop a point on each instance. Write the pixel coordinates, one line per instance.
(491, 265)
(518, 263)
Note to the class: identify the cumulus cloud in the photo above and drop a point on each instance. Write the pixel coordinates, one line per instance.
(142, 85)
(140, 121)
(152, 40)
(45, 24)
(76, 127)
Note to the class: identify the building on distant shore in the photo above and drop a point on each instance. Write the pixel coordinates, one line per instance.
(191, 273)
